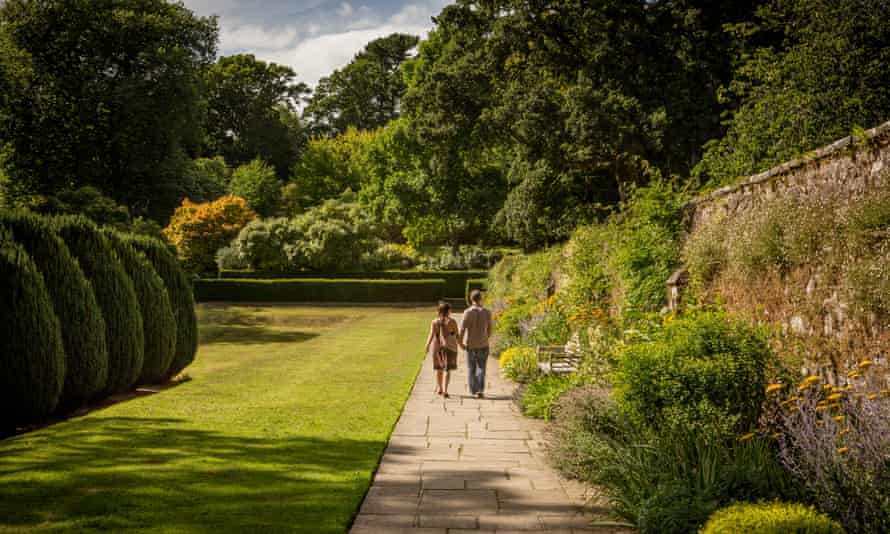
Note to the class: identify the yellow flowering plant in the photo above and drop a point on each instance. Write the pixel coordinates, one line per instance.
(835, 439)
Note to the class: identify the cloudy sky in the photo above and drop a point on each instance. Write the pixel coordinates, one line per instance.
(313, 37)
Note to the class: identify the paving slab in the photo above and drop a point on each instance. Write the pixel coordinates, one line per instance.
(472, 466)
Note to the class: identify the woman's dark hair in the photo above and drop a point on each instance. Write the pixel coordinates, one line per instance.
(444, 308)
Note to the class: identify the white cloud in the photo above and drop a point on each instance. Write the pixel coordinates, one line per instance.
(254, 37)
(313, 37)
(345, 10)
(317, 57)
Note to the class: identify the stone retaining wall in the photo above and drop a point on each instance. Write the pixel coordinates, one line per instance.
(848, 168)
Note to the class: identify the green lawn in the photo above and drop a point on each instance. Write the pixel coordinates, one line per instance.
(279, 430)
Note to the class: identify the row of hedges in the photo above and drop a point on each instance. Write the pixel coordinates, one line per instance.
(86, 314)
(319, 290)
(455, 281)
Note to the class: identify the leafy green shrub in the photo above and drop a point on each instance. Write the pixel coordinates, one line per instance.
(74, 303)
(181, 295)
(256, 183)
(319, 290)
(585, 417)
(519, 364)
(587, 265)
(702, 357)
(116, 297)
(390, 256)
(31, 352)
(542, 394)
(159, 325)
(463, 258)
(770, 518)
(333, 237)
(705, 254)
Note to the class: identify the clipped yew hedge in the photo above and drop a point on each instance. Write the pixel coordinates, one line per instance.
(455, 281)
(181, 298)
(116, 297)
(475, 283)
(31, 354)
(319, 290)
(74, 303)
(158, 322)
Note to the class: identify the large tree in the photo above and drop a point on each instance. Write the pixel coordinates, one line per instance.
(252, 112)
(576, 100)
(366, 93)
(815, 71)
(110, 96)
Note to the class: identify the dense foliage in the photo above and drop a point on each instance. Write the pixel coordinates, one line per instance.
(31, 350)
(116, 296)
(199, 230)
(107, 94)
(74, 303)
(770, 518)
(182, 300)
(158, 322)
(251, 112)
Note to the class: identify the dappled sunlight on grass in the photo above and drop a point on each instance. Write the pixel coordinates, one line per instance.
(266, 437)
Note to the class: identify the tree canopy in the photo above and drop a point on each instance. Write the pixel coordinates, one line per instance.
(252, 112)
(106, 93)
(366, 93)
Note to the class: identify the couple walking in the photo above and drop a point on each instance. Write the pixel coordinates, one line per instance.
(445, 338)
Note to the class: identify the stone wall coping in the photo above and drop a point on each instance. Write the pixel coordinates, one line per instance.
(877, 132)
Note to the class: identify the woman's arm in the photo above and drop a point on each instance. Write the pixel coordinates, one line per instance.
(429, 338)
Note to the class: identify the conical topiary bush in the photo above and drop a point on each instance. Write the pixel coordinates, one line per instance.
(181, 298)
(115, 295)
(74, 303)
(158, 321)
(31, 353)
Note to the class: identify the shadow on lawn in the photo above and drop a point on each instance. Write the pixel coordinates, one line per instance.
(121, 473)
(250, 335)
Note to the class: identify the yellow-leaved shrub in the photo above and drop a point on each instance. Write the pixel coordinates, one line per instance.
(199, 230)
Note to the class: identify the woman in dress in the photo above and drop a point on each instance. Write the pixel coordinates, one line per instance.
(442, 343)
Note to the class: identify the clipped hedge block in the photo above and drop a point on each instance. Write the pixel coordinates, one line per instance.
(116, 297)
(319, 290)
(75, 305)
(158, 322)
(181, 298)
(770, 518)
(31, 352)
(455, 281)
(475, 283)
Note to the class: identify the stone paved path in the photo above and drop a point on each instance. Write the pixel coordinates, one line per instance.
(465, 465)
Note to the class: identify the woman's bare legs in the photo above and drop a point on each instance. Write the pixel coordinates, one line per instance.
(447, 380)
(439, 382)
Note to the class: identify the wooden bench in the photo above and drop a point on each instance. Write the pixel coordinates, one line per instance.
(557, 359)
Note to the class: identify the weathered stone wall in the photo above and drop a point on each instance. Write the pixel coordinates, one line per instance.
(808, 303)
(848, 168)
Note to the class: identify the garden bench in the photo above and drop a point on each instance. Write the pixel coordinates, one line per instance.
(557, 359)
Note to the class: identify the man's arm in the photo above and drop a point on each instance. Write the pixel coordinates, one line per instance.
(460, 335)
(490, 325)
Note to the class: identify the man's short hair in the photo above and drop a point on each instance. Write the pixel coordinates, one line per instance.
(476, 296)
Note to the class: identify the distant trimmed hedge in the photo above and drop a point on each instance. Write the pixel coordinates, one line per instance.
(158, 322)
(181, 299)
(455, 281)
(319, 290)
(116, 296)
(74, 303)
(31, 352)
(475, 283)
